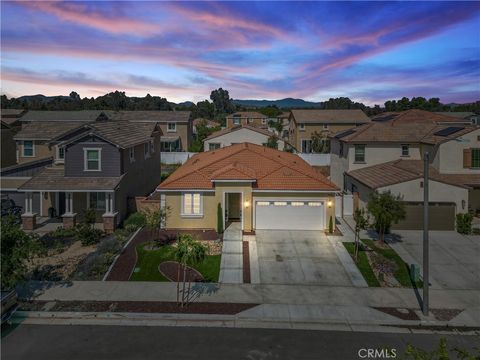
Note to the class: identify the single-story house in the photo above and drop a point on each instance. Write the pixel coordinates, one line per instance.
(240, 134)
(260, 187)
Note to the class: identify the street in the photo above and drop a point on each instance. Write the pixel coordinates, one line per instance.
(60, 342)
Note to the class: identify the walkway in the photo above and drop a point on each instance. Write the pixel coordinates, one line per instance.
(231, 267)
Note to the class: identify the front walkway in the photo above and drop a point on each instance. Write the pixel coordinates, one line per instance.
(231, 266)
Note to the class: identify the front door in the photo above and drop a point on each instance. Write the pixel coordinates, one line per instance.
(233, 208)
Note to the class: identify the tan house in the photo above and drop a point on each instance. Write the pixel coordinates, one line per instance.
(307, 123)
(9, 155)
(387, 155)
(252, 118)
(176, 126)
(259, 187)
(240, 134)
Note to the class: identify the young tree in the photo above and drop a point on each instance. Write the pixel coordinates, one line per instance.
(188, 251)
(272, 142)
(154, 219)
(17, 249)
(361, 223)
(320, 143)
(386, 208)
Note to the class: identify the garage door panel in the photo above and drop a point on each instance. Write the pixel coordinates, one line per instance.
(441, 217)
(289, 217)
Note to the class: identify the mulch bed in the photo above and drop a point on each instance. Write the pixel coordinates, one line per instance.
(403, 314)
(125, 264)
(137, 307)
(246, 263)
(445, 314)
(169, 269)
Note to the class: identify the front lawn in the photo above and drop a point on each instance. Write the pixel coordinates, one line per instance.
(146, 268)
(401, 273)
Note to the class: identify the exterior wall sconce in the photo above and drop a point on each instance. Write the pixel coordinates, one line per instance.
(246, 204)
(329, 203)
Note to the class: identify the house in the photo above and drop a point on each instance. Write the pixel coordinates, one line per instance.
(387, 155)
(259, 187)
(208, 123)
(240, 134)
(12, 116)
(176, 126)
(252, 118)
(305, 124)
(9, 127)
(469, 116)
(104, 163)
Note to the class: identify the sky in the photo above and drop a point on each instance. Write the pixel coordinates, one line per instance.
(368, 51)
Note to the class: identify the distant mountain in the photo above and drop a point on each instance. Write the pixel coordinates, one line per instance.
(283, 103)
(41, 98)
(185, 103)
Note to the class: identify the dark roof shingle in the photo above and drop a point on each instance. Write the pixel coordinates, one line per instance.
(347, 116)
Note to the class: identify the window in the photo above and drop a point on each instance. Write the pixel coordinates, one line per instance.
(146, 150)
(213, 146)
(280, 203)
(297, 203)
(325, 126)
(264, 121)
(97, 200)
(28, 148)
(306, 146)
(59, 153)
(476, 158)
(263, 203)
(152, 146)
(92, 159)
(236, 120)
(131, 154)
(359, 153)
(405, 150)
(171, 127)
(315, 204)
(301, 127)
(192, 204)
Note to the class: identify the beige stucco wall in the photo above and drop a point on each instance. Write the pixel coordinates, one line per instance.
(183, 131)
(211, 199)
(338, 164)
(241, 136)
(247, 121)
(450, 154)
(41, 151)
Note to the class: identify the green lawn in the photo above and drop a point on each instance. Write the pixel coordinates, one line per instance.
(148, 261)
(363, 265)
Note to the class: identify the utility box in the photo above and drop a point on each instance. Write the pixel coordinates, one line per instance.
(414, 272)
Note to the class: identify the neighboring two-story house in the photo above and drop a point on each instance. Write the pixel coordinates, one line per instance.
(176, 126)
(102, 164)
(306, 124)
(251, 118)
(387, 155)
(10, 126)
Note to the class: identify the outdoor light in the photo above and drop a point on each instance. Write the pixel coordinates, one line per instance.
(329, 204)
(247, 204)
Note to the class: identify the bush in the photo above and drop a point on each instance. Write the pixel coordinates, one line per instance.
(88, 235)
(109, 245)
(330, 225)
(121, 235)
(464, 223)
(61, 232)
(135, 221)
(219, 219)
(89, 216)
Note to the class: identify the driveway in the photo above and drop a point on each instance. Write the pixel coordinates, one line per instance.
(454, 258)
(298, 257)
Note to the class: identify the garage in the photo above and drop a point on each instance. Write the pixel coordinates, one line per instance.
(441, 217)
(282, 214)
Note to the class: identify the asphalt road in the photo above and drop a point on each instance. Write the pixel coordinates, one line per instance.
(61, 342)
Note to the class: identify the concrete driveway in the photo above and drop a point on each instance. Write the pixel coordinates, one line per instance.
(298, 257)
(454, 258)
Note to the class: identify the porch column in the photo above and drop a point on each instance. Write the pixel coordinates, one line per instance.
(69, 218)
(110, 216)
(29, 218)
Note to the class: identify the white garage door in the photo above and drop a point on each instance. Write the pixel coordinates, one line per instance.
(289, 215)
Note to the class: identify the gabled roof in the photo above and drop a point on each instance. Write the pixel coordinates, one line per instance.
(317, 116)
(240, 127)
(13, 113)
(399, 171)
(48, 115)
(45, 130)
(271, 169)
(150, 116)
(457, 114)
(247, 114)
(418, 116)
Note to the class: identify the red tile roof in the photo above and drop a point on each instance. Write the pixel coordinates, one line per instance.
(272, 169)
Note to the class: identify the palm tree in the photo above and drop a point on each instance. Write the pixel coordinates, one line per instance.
(187, 251)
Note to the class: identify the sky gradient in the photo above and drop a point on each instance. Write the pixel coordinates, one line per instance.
(368, 51)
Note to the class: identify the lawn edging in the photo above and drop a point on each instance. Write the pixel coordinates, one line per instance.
(120, 253)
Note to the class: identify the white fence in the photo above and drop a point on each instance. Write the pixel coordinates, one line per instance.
(347, 204)
(175, 157)
(316, 159)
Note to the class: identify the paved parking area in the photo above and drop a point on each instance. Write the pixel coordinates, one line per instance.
(298, 257)
(454, 258)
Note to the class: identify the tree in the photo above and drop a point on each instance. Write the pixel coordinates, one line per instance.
(155, 219)
(204, 109)
(272, 142)
(320, 143)
(17, 249)
(222, 102)
(188, 251)
(361, 223)
(276, 125)
(386, 208)
(270, 111)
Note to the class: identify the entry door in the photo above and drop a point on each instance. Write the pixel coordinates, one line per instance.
(290, 215)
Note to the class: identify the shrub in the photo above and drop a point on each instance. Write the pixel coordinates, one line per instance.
(121, 235)
(88, 235)
(61, 232)
(109, 245)
(130, 228)
(89, 216)
(330, 225)
(464, 223)
(219, 219)
(135, 221)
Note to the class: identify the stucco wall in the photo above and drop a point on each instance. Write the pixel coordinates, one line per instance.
(40, 151)
(240, 136)
(183, 130)
(310, 129)
(338, 164)
(451, 154)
